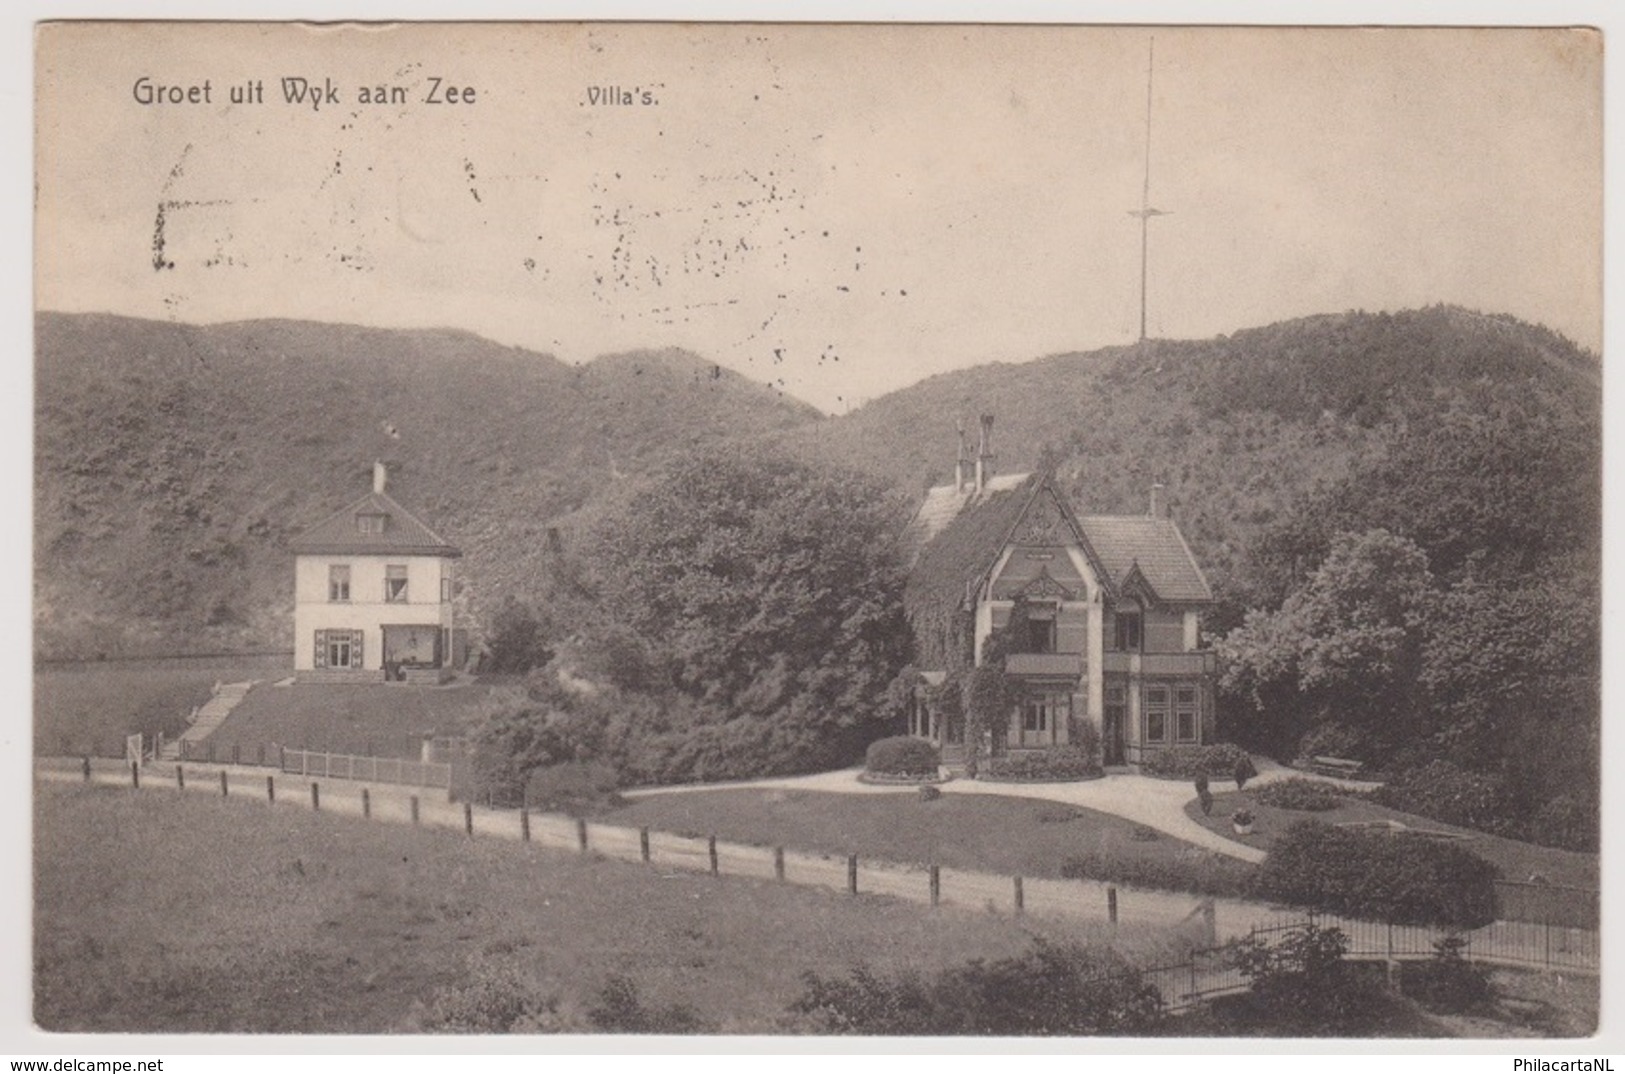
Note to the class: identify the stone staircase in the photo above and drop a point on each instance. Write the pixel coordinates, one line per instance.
(208, 716)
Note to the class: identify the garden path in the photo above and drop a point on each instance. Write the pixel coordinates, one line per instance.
(1156, 803)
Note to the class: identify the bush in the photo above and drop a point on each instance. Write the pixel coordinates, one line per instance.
(1302, 986)
(1308, 795)
(1447, 983)
(1184, 762)
(1444, 791)
(1565, 822)
(1051, 990)
(1061, 762)
(575, 787)
(902, 755)
(619, 1009)
(1403, 878)
(1198, 871)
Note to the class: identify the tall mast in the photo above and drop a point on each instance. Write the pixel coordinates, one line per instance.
(1145, 212)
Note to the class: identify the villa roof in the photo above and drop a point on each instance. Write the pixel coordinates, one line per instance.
(401, 533)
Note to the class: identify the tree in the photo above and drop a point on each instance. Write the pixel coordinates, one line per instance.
(1347, 646)
(766, 594)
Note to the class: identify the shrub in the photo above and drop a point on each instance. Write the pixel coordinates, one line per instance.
(1447, 983)
(902, 755)
(929, 793)
(1443, 791)
(495, 996)
(1184, 762)
(619, 1009)
(1301, 984)
(1198, 871)
(1565, 822)
(1061, 762)
(1399, 877)
(1243, 771)
(575, 787)
(1299, 793)
(1051, 990)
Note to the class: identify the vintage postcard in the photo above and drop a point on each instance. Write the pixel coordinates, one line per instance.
(802, 530)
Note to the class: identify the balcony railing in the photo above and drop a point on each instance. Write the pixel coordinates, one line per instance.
(1054, 665)
(1202, 662)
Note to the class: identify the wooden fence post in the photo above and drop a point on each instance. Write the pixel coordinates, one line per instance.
(180, 778)
(643, 844)
(1021, 898)
(852, 874)
(581, 833)
(87, 768)
(711, 852)
(414, 811)
(524, 823)
(209, 748)
(778, 864)
(270, 788)
(936, 885)
(366, 804)
(135, 774)
(225, 791)
(1111, 905)
(468, 817)
(315, 795)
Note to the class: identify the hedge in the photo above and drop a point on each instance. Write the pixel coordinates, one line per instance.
(1059, 763)
(902, 755)
(1184, 762)
(1298, 793)
(1404, 878)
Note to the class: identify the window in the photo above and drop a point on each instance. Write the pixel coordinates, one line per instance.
(1156, 713)
(395, 583)
(1186, 710)
(1038, 633)
(1128, 629)
(370, 523)
(338, 582)
(1042, 713)
(338, 648)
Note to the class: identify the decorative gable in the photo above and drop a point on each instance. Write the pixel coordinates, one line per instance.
(1045, 587)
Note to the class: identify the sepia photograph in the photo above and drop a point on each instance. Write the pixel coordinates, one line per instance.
(800, 531)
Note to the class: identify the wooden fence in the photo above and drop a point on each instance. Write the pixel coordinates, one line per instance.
(1206, 973)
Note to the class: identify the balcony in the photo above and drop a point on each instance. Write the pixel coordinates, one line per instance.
(1201, 662)
(1045, 665)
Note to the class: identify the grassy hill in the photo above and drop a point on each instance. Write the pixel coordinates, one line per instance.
(174, 461)
(1242, 429)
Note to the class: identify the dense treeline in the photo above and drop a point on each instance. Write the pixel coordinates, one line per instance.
(739, 614)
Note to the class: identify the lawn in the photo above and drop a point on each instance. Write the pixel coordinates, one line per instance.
(1013, 836)
(156, 912)
(369, 719)
(1516, 860)
(89, 708)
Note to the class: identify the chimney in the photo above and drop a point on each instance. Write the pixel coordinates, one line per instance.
(1156, 501)
(962, 464)
(984, 454)
(380, 477)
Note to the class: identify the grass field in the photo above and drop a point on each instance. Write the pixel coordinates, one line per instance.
(1015, 836)
(1516, 860)
(163, 913)
(373, 720)
(89, 708)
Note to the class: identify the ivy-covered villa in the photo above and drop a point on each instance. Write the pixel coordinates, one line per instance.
(1095, 617)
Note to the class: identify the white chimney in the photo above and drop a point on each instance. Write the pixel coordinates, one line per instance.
(1156, 501)
(380, 477)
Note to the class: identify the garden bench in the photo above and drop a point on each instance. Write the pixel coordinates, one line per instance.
(1336, 766)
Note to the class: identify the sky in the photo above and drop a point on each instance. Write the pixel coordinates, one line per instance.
(839, 211)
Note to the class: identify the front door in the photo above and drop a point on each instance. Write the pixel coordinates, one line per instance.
(1111, 735)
